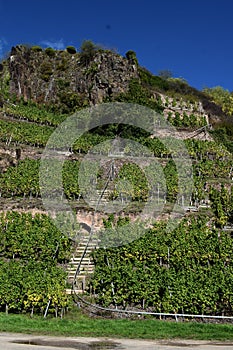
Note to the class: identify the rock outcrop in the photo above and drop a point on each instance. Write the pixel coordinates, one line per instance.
(8, 157)
(63, 78)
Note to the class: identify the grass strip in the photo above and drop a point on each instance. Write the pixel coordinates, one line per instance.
(95, 327)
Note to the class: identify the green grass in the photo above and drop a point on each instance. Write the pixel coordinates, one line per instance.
(80, 325)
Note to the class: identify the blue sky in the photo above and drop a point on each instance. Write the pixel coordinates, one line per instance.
(192, 38)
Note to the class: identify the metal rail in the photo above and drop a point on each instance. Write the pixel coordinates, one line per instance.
(160, 314)
(198, 131)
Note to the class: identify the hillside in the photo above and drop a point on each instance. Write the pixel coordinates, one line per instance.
(174, 271)
(67, 79)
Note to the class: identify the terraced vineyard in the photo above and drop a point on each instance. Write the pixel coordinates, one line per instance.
(118, 261)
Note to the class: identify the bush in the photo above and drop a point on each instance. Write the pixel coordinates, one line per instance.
(71, 50)
(50, 51)
(88, 50)
(63, 64)
(139, 94)
(63, 84)
(46, 71)
(147, 78)
(37, 48)
(131, 57)
(69, 101)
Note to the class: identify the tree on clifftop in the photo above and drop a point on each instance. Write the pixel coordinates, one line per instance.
(88, 50)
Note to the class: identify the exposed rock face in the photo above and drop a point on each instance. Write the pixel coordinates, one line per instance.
(8, 158)
(60, 77)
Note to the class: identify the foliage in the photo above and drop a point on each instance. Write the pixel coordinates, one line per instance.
(151, 80)
(50, 52)
(24, 133)
(36, 48)
(34, 113)
(87, 52)
(139, 94)
(46, 70)
(221, 203)
(221, 97)
(89, 140)
(4, 82)
(92, 69)
(223, 134)
(171, 176)
(134, 184)
(23, 180)
(70, 101)
(188, 270)
(62, 65)
(70, 173)
(131, 56)
(31, 248)
(211, 165)
(156, 146)
(180, 86)
(71, 50)
(188, 121)
(201, 149)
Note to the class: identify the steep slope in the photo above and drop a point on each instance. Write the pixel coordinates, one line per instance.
(58, 77)
(39, 89)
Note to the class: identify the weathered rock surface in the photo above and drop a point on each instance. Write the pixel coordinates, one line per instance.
(63, 78)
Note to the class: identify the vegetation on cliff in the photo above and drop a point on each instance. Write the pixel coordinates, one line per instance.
(187, 270)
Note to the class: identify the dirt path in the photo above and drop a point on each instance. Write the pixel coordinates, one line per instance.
(11, 341)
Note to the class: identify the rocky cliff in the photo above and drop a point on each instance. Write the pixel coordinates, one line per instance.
(62, 78)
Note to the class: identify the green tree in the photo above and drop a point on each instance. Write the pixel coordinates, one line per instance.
(71, 50)
(87, 52)
(222, 97)
(131, 57)
(50, 52)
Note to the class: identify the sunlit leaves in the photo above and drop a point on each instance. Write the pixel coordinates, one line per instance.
(32, 248)
(187, 270)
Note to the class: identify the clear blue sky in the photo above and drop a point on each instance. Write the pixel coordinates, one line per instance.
(192, 38)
